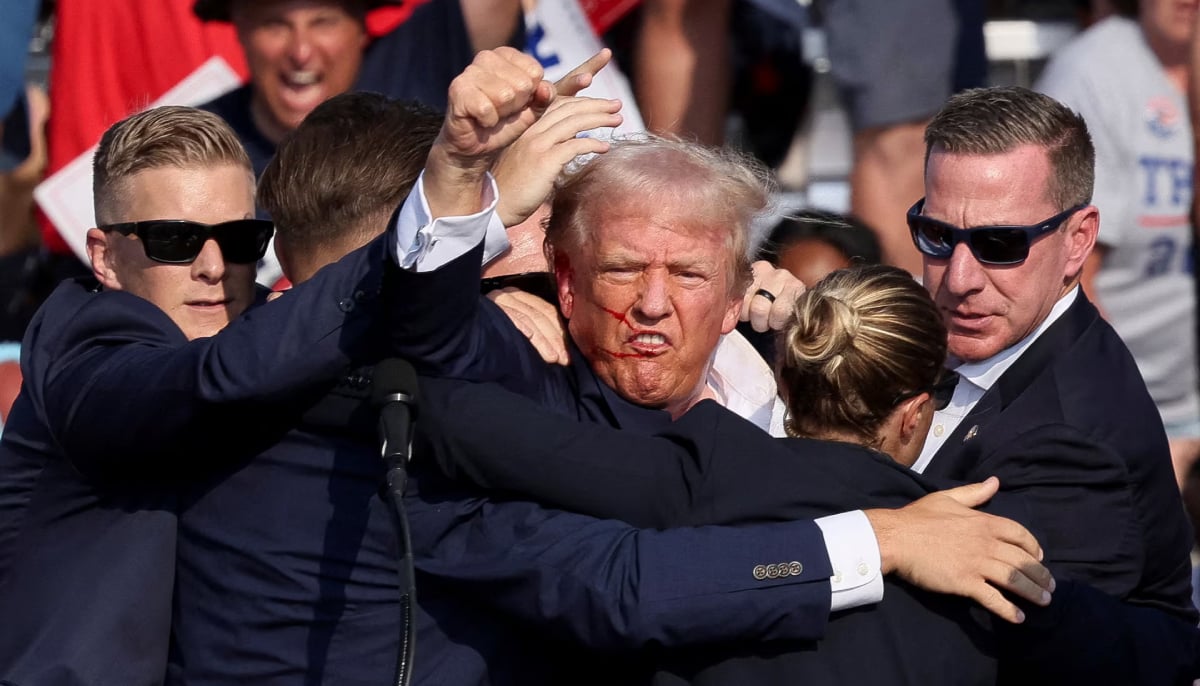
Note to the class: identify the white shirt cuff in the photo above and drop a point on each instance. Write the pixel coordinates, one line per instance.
(854, 556)
(424, 244)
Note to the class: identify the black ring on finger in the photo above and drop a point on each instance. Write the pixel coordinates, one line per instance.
(766, 294)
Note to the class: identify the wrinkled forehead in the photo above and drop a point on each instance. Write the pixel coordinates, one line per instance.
(678, 231)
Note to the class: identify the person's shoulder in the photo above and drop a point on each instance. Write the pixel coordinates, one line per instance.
(427, 24)
(1104, 43)
(80, 308)
(231, 105)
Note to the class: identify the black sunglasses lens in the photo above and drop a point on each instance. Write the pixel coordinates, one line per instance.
(999, 246)
(943, 391)
(174, 242)
(930, 237)
(243, 242)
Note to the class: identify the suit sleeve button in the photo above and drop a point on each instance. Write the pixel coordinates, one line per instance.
(760, 572)
(795, 568)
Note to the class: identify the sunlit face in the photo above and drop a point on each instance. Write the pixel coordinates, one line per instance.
(988, 308)
(300, 54)
(1168, 23)
(201, 297)
(647, 302)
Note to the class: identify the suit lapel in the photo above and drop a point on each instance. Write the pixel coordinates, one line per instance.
(962, 449)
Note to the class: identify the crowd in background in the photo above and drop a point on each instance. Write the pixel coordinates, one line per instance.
(712, 72)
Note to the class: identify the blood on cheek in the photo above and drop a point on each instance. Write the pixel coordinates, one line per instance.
(620, 317)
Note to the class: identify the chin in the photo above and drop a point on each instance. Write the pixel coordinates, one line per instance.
(195, 330)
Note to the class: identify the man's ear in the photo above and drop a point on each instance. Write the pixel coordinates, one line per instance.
(564, 279)
(281, 254)
(103, 259)
(1082, 229)
(732, 314)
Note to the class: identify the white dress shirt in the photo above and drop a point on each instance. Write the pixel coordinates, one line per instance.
(739, 377)
(975, 378)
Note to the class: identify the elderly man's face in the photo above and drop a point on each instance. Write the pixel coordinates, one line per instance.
(200, 297)
(988, 308)
(647, 302)
(300, 54)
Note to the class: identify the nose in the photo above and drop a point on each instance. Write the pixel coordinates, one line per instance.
(299, 46)
(964, 274)
(654, 301)
(209, 265)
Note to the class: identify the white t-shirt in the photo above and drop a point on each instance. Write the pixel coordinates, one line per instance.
(1139, 124)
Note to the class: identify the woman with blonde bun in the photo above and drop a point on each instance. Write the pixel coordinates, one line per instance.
(863, 362)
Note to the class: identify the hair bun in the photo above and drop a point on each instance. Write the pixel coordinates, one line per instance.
(825, 330)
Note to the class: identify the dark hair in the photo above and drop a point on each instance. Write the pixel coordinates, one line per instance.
(222, 10)
(845, 232)
(862, 337)
(993, 121)
(340, 174)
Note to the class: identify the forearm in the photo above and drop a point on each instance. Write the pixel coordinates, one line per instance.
(609, 586)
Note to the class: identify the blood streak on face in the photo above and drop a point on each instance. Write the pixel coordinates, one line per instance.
(620, 316)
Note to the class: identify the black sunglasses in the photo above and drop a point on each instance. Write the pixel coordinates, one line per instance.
(941, 392)
(176, 241)
(989, 244)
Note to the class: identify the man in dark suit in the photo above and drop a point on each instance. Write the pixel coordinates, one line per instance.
(149, 379)
(713, 467)
(1050, 400)
(599, 583)
(134, 382)
(287, 558)
(646, 309)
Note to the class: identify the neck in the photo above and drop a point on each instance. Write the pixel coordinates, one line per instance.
(1173, 58)
(677, 410)
(266, 124)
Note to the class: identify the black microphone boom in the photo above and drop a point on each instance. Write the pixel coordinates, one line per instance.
(394, 392)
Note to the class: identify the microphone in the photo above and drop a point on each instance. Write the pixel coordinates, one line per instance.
(394, 392)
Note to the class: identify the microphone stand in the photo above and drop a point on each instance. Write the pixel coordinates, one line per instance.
(396, 460)
(397, 477)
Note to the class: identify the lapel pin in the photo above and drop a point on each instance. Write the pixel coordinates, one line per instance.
(971, 433)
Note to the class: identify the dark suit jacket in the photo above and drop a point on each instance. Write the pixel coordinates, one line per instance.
(1071, 428)
(448, 330)
(712, 467)
(117, 409)
(285, 563)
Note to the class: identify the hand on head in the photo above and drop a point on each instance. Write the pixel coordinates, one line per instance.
(499, 97)
(527, 169)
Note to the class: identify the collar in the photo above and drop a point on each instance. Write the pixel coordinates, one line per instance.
(745, 384)
(985, 373)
